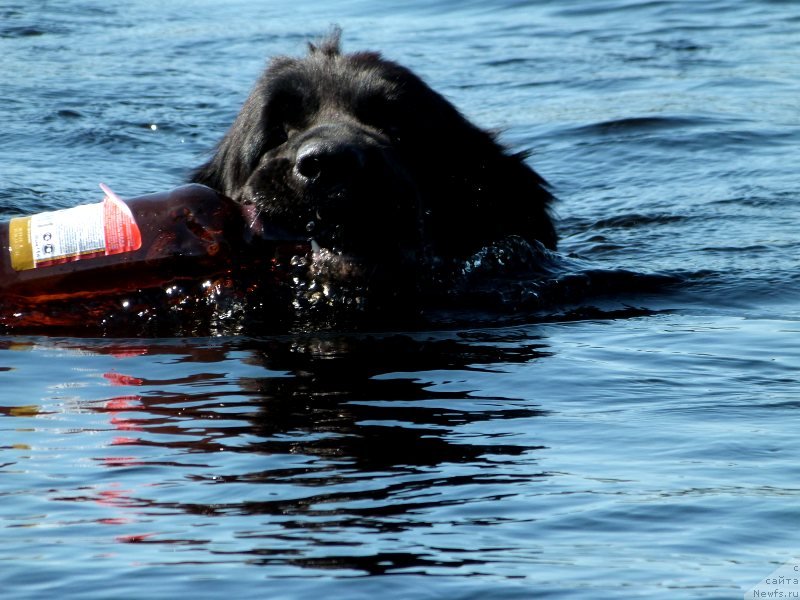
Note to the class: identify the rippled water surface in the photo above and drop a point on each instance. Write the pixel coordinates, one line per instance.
(638, 443)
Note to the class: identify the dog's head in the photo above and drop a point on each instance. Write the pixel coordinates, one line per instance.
(361, 154)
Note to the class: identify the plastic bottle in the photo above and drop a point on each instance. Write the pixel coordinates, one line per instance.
(97, 253)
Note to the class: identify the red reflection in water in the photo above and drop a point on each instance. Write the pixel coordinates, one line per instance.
(124, 441)
(114, 497)
(121, 379)
(121, 461)
(120, 404)
(120, 499)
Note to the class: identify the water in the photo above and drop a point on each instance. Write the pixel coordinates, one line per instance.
(639, 444)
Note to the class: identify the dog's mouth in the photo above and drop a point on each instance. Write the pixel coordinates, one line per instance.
(367, 211)
(350, 243)
(328, 252)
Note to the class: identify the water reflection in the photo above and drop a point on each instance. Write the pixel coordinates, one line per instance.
(340, 397)
(339, 436)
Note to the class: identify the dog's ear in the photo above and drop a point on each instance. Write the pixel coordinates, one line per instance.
(489, 194)
(240, 150)
(516, 197)
(225, 171)
(476, 191)
(481, 191)
(234, 157)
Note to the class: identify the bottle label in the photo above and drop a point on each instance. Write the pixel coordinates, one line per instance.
(83, 232)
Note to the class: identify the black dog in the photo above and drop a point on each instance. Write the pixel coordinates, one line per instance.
(362, 154)
(395, 186)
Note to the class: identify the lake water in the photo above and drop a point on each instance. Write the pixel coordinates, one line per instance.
(642, 444)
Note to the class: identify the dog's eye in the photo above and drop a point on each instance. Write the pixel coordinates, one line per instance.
(284, 111)
(380, 112)
(289, 105)
(274, 137)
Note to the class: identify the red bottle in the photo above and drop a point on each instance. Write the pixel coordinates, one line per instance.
(65, 267)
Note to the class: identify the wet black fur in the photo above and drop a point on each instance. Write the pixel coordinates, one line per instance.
(361, 153)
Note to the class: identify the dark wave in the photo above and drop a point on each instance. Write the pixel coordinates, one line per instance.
(633, 220)
(22, 31)
(640, 124)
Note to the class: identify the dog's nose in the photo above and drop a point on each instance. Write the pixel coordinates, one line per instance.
(329, 162)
